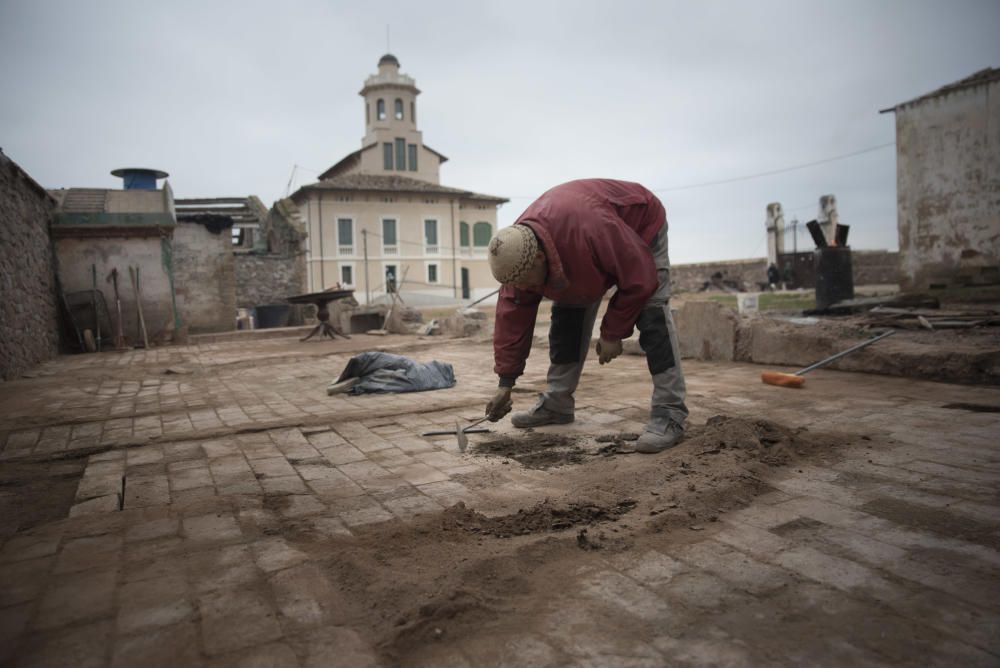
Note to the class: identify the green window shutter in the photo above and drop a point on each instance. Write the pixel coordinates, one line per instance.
(481, 234)
(463, 234)
(432, 273)
(413, 157)
(345, 232)
(431, 232)
(387, 155)
(389, 232)
(400, 154)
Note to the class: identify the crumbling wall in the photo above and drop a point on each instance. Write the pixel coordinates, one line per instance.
(747, 274)
(948, 188)
(204, 276)
(29, 324)
(268, 279)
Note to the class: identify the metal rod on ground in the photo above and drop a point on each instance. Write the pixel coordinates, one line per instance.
(483, 298)
(796, 380)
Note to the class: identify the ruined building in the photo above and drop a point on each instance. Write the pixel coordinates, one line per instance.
(385, 200)
(948, 184)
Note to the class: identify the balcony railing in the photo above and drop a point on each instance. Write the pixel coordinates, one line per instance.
(390, 250)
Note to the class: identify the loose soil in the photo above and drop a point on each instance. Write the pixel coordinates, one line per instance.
(468, 575)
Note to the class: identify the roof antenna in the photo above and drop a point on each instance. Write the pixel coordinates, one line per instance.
(388, 44)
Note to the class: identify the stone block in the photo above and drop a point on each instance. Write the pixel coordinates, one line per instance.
(235, 619)
(707, 330)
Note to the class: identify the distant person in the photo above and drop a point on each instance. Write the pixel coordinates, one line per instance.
(773, 276)
(572, 245)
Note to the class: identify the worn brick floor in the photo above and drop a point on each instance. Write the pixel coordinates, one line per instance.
(176, 565)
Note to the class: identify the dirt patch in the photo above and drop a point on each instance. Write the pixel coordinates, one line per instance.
(934, 520)
(464, 575)
(542, 517)
(534, 450)
(975, 408)
(32, 493)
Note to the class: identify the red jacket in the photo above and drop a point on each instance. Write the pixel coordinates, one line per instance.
(596, 234)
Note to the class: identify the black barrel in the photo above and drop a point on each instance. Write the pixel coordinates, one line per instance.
(834, 276)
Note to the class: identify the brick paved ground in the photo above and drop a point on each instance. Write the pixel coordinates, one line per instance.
(889, 556)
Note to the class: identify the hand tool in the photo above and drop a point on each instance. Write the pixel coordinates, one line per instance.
(119, 340)
(463, 440)
(796, 379)
(133, 273)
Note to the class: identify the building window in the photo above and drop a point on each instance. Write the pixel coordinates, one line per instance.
(347, 275)
(237, 233)
(463, 234)
(413, 157)
(387, 156)
(380, 109)
(400, 154)
(399, 109)
(432, 273)
(481, 234)
(389, 243)
(345, 236)
(431, 236)
(413, 113)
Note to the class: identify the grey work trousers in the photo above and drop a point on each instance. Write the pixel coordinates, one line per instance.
(569, 342)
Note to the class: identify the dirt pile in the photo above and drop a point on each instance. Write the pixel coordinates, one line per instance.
(540, 518)
(534, 450)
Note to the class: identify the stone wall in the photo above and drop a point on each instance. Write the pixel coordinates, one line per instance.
(871, 267)
(204, 276)
(948, 188)
(744, 273)
(29, 329)
(268, 279)
(875, 267)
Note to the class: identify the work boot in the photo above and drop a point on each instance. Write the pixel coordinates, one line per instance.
(539, 416)
(661, 433)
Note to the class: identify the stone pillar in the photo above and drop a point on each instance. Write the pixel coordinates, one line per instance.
(828, 217)
(775, 233)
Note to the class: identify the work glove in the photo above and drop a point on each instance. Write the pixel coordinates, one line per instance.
(608, 350)
(499, 405)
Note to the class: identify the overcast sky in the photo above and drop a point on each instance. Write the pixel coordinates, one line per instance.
(521, 96)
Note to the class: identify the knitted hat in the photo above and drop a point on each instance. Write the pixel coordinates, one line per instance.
(512, 253)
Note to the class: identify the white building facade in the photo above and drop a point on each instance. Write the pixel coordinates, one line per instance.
(380, 218)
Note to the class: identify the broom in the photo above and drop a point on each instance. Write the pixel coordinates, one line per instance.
(796, 379)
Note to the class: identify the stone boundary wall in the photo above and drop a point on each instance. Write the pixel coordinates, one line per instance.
(875, 267)
(871, 267)
(29, 321)
(691, 277)
(268, 279)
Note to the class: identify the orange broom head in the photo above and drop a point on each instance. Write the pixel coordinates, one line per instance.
(782, 379)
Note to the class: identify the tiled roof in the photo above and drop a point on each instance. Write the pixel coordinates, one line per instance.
(392, 183)
(986, 76)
